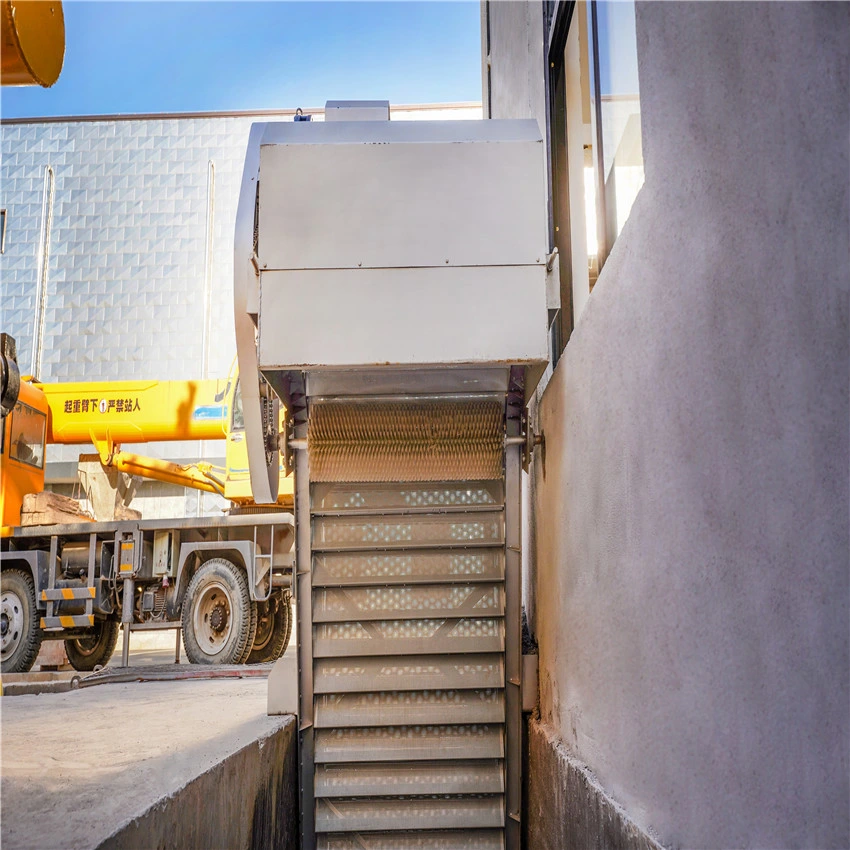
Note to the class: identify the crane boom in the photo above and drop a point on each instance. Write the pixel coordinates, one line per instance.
(116, 412)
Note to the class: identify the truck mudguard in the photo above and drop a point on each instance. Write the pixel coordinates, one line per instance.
(34, 561)
(240, 552)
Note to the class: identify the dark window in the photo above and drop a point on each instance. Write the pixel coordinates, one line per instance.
(27, 430)
(237, 421)
(2, 231)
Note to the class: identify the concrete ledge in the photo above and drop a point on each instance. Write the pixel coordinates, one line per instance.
(247, 800)
(567, 808)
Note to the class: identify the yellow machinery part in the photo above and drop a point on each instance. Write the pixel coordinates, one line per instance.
(32, 42)
(109, 413)
(116, 412)
(198, 476)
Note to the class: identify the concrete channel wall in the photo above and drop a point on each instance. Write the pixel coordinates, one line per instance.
(248, 800)
(688, 579)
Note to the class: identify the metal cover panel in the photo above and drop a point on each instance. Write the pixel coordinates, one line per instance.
(394, 708)
(352, 568)
(403, 814)
(407, 743)
(352, 675)
(405, 316)
(425, 195)
(467, 839)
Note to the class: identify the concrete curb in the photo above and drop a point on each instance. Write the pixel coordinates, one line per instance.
(249, 799)
(567, 807)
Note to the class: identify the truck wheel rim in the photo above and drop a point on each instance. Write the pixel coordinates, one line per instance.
(265, 628)
(88, 645)
(11, 623)
(212, 618)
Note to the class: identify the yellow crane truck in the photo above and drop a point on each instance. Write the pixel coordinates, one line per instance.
(224, 581)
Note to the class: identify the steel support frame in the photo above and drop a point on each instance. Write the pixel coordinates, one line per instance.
(127, 603)
(90, 572)
(304, 637)
(51, 573)
(128, 596)
(513, 639)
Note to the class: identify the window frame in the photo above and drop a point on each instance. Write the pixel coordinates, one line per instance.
(566, 20)
(559, 211)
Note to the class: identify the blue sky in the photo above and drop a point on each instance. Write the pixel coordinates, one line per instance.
(127, 57)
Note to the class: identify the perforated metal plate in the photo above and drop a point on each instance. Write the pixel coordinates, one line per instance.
(467, 839)
(398, 532)
(408, 637)
(395, 708)
(405, 778)
(378, 603)
(465, 812)
(403, 743)
(421, 567)
(433, 672)
(341, 496)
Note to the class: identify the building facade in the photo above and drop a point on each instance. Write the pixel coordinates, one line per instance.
(117, 256)
(687, 574)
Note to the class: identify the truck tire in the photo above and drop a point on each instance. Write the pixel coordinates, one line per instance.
(274, 627)
(20, 634)
(87, 652)
(219, 619)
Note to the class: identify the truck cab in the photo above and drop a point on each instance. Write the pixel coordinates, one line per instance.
(24, 433)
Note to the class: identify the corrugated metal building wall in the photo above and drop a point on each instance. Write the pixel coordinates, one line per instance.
(129, 222)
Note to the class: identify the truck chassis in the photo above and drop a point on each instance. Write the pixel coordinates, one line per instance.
(224, 581)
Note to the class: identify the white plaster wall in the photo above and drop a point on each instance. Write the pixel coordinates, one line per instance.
(692, 568)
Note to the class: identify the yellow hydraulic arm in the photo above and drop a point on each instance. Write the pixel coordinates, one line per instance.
(110, 413)
(199, 475)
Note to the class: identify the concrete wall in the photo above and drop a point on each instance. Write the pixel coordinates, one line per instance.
(690, 577)
(248, 800)
(567, 808)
